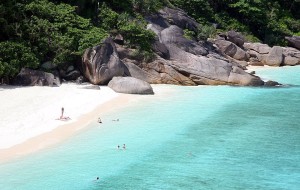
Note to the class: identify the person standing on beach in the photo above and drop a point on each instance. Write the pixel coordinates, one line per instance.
(124, 146)
(62, 118)
(62, 112)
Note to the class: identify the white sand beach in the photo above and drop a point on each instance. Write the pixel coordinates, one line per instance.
(29, 114)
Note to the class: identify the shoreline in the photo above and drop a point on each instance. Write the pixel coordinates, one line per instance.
(60, 133)
(57, 131)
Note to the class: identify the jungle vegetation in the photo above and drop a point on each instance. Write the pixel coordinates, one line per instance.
(36, 31)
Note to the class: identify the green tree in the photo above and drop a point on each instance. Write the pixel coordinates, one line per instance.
(49, 31)
(198, 9)
(14, 56)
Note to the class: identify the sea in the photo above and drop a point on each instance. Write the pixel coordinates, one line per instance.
(203, 137)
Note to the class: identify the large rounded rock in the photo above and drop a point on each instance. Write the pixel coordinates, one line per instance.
(291, 61)
(294, 41)
(28, 77)
(130, 85)
(288, 51)
(236, 38)
(291, 56)
(258, 47)
(232, 50)
(275, 57)
(101, 63)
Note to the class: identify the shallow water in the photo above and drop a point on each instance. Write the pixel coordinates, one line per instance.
(211, 137)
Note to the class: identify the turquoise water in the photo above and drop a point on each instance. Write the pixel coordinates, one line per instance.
(211, 137)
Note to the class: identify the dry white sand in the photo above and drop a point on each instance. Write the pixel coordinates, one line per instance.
(27, 112)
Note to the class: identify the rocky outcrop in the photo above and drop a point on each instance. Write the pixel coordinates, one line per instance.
(130, 85)
(28, 77)
(294, 41)
(211, 71)
(291, 56)
(194, 61)
(262, 54)
(257, 52)
(182, 61)
(178, 60)
(271, 83)
(101, 63)
(291, 61)
(158, 71)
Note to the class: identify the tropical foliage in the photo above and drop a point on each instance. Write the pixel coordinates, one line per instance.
(36, 31)
(268, 21)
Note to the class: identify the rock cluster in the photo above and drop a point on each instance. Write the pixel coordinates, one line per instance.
(183, 61)
(188, 62)
(29, 77)
(178, 60)
(257, 54)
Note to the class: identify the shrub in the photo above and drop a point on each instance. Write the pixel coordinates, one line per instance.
(137, 36)
(107, 17)
(189, 34)
(206, 31)
(91, 38)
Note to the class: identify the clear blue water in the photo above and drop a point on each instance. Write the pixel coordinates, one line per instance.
(211, 137)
